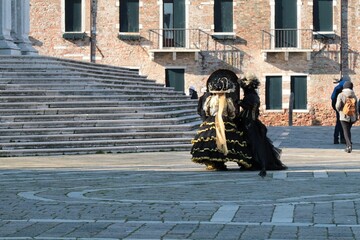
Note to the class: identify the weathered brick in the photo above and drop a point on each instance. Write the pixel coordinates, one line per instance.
(250, 18)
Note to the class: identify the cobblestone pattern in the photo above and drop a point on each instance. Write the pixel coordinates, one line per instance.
(165, 196)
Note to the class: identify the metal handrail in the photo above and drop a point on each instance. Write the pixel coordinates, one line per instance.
(181, 38)
(290, 38)
(173, 38)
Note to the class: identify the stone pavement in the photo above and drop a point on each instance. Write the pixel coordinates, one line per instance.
(166, 196)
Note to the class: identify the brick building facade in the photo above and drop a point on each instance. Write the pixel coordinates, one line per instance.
(297, 46)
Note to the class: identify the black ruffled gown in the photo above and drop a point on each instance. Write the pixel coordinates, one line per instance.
(205, 150)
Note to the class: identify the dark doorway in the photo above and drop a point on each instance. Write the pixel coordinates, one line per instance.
(175, 78)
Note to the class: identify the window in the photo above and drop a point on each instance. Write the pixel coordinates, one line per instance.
(286, 23)
(323, 15)
(174, 23)
(73, 15)
(223, 15)
(273, 92)
(129, 16)
(299, 89)
(175, 78)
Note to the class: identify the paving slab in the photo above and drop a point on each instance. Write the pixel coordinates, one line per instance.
(164, 195)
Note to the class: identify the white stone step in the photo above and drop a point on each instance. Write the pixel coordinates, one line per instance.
(94, 150)
(42, 137)
(94, 143)
(84, 80)
(97, 123)
(95, 110)
(90, 104)
(97, 116)
(80, 98)
(66, 63)
(110, 129)
(89, 92)
(56, 106)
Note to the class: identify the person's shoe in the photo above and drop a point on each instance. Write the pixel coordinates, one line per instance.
(348, 149)
(210, 168)
(336, 141)
(220, 167)
(216, 167)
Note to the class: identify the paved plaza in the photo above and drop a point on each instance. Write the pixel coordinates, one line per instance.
(166, 196)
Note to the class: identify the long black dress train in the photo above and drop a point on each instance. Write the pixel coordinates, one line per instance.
(265, 155)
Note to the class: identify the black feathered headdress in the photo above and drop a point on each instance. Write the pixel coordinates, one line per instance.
(249, 81)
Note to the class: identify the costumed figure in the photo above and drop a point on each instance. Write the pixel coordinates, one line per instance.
(200, 107)
(193, 92)
(265, 155)
(218, 140)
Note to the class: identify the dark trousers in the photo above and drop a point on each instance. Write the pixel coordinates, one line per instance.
(346, 126)
(338, 131)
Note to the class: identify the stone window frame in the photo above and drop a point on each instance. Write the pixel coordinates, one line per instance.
(265, 105)
(306, 91)
(78, 34)
(325, 34)
(166, 68)
(298, 20)
(161, 19)
(286, 92)
(224, 35)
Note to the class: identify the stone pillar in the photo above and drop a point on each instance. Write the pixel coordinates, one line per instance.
(7, 45)
(21, 26)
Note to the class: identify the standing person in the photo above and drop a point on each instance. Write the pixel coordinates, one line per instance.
(265, 155)
(347, 118)
(202, 99)
(338, 131)
(217, 140)
(193, 92)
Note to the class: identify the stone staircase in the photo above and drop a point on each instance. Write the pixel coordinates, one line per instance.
(51, 106)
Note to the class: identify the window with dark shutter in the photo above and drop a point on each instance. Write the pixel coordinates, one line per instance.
(175, 78)
(129, 16)
(286, 23)
(73, 16)
(273, 92)
(299, 88)
(174, 23)
(323, 15)
(223, 15)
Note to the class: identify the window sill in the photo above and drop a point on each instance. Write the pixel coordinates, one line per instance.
(74, 35)
(274, 111)
(128, 36)
(224, 36)
(324, 35)
(300, 111)
(283, 110)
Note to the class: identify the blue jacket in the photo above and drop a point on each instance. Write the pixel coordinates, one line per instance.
(337, 89)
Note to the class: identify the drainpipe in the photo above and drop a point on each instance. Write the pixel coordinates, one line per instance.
(341, 34)
(291, 104)
(344, 46)
(93, 8)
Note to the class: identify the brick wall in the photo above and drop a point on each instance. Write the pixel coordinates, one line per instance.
(250, 18)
